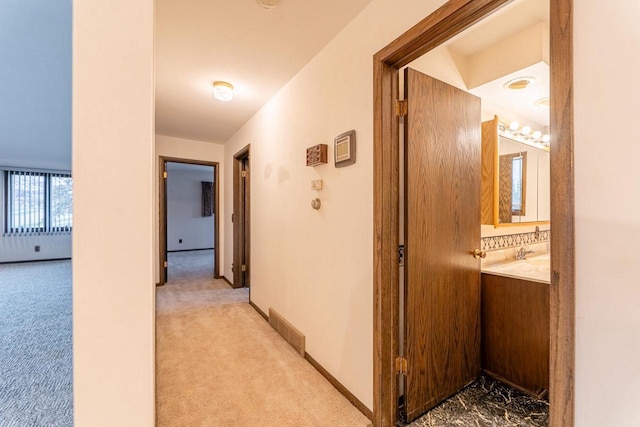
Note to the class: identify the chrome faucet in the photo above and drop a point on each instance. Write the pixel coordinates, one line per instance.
(523, 251)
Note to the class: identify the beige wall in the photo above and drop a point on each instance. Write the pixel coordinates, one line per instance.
(316, 267)
(113, 288)
(187, 149)
(607, 42)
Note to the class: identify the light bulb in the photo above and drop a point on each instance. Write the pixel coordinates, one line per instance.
(546, 138)
(514, 125)
(537, 134)
(525, 130)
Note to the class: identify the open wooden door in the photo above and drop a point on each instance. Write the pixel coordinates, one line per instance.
(442, 225)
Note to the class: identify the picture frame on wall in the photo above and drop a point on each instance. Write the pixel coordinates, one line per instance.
(345, 149)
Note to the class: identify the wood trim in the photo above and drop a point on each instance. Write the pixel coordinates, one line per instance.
(241, 234)
(189, 161)
(228, 281)
(162, 222)
(386, 227)
(35, 260)
(193, 250)
(256, 308)
(489, 174)
(522, 224)
(562, 288)
(447, 21)
(342, 389)
(162, 235)
(216, 224)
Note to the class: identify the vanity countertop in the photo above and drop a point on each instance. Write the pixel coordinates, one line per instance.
(534, 268)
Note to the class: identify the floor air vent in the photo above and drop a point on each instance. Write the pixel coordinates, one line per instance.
(287, 330)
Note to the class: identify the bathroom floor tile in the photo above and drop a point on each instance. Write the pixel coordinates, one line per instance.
(487, 403)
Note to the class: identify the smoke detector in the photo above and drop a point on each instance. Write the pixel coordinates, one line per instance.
(268, 4)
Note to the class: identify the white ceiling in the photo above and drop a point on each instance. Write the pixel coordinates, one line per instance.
(521, 102)
(509, 44)
(507, 22)
(35, 84)
(257, 50)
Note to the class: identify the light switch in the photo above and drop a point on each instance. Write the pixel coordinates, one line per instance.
(316, 184)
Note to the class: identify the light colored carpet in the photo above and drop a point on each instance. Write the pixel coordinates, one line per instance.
(220, 364)
(36, 381)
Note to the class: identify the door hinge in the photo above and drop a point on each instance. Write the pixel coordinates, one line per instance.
(243, 174)
(164, 174)
(244, 267)
(401, 107)
(166, 264)
(401, 365)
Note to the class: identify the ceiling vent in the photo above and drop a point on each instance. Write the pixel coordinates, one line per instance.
(268, 4)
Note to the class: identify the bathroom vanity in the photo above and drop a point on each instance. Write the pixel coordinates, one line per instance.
(515, 322)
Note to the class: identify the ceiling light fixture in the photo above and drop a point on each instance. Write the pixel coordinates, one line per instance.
(268, 4)
(223, 91)
(519, 83)
(542, 102)
(524, 134)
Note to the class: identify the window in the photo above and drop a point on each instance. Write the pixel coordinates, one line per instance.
(37, 202)
(517, 190)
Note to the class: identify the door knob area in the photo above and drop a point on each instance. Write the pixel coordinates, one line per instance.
(477, 253)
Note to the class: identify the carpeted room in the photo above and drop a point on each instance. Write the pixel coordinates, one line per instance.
(36, 383)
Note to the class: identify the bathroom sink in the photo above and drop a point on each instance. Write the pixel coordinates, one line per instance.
(542, 261)
(535, 268)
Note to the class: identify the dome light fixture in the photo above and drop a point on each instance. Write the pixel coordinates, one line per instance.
(223, 91)
(542, 102)
(519, 83)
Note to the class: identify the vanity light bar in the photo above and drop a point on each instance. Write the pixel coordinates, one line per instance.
(524, 134)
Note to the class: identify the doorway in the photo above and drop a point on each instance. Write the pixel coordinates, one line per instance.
(241, 219)
(203, 207)
(444, 23)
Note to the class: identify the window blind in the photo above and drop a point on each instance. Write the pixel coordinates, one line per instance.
(38, 202)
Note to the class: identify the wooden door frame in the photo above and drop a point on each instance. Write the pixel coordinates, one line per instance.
(447, 21)
(241, 206)
(162, 200)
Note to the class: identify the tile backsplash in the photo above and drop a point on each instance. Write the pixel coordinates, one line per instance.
(514, 240)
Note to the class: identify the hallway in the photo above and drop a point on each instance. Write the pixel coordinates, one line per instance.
(218, 363)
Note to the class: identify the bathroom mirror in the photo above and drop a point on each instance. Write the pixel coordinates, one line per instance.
(515, 180)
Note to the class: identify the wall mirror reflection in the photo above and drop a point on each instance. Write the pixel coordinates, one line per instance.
(515, 174)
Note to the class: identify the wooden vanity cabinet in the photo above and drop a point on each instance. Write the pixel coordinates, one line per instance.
(515, 332)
